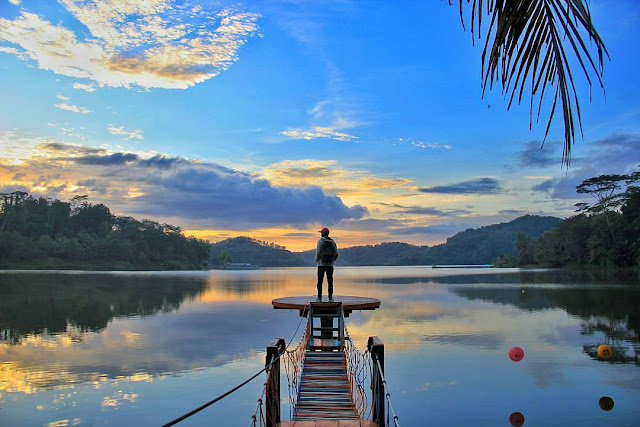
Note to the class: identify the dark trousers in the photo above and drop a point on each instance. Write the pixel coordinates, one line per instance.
(329, 270)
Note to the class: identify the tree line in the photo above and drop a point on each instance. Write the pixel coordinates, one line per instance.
(49, 233)
(472, 246)
(604, 233)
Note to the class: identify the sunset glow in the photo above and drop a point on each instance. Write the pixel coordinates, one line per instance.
(272, 119)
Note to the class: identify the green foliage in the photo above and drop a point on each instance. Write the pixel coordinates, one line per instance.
(606, 234)
(484, 244)
(54, 234)
(247, 250)
(534, 44)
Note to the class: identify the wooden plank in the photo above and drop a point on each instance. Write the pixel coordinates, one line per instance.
(324, 388)
(330, 423)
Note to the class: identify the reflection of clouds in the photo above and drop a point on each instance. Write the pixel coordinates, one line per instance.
(28, 380)
(547, 373)
(431, 385)
(131, 337)
(144, 350)
(430, 332)
(118, 399)
(485, 340)
(627, 382)
(65, 422)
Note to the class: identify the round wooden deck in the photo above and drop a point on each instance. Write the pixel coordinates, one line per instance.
(349, 303)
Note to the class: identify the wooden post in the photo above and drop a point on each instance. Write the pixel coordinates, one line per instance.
(376, 348)
(272, 400)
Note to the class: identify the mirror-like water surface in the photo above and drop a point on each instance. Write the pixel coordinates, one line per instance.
(117, 348)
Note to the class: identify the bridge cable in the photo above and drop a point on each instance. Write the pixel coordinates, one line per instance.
(222, 396)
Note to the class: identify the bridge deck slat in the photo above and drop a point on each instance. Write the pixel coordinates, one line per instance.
(324, 392)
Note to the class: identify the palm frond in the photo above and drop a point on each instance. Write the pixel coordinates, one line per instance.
(529, 41)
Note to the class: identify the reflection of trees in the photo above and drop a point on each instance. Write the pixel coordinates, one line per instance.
(48, 304)
(613, 311)
(464, 276)
(618, 336)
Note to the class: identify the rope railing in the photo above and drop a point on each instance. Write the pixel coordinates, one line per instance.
(358, 367)
(293, 364)
(293, 361)
(259, 414)
(390, 414)
(257, 419)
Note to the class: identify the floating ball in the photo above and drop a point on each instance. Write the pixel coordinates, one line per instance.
(605, 403)
(605, 351)
(516, 354)
(516, 419)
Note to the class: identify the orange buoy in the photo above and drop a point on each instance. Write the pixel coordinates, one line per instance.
(605, 351)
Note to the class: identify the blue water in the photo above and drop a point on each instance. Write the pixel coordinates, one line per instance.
(122, 348)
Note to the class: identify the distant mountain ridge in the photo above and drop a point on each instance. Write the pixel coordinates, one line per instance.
(473, 246)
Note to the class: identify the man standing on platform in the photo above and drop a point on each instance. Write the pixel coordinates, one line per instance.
(326, 254)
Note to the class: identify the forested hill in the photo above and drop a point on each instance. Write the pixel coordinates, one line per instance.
(482, 245)
(39, 233)
(473, 246)
(250, 251)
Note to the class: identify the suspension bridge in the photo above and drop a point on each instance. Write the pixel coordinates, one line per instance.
(329, 381)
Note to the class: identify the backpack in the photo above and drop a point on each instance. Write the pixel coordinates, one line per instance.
(327, 251)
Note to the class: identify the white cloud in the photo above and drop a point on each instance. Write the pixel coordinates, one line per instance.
(14, 51)
(85, 87)
(16, 2)
(62, 97)
(149, 43)
(432, 145)
(318, 132)
(74, 108)
(126, 134)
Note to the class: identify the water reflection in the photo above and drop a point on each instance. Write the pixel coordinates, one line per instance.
(123, 338)
(613, 314)
(32, 304)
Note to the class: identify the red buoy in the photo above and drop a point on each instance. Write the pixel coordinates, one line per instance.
(516, 419)
(516, 354)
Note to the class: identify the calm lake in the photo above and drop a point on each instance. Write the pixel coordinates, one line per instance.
(123, 348)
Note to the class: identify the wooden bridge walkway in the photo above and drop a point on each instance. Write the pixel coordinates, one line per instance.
(325, 394)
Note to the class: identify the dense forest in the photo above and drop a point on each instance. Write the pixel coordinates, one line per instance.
(473, 246)
(45, 233)
(603, 234)
(250, 251)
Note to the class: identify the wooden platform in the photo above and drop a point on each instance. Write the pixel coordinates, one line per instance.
(349, 303)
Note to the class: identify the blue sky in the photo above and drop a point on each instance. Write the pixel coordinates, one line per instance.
(274, 118)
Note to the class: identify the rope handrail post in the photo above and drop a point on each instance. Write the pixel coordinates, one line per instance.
(272, 399)
(376, 348)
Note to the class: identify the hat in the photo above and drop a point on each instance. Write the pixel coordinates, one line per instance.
(324, 230)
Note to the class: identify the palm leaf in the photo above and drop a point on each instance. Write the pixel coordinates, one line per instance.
(533, 41)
